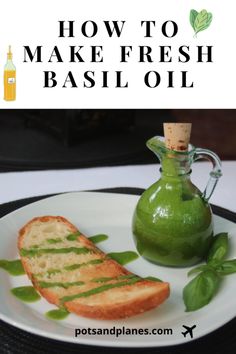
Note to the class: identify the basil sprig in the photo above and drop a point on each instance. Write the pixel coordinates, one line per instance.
(201, 289)
(219, 249)
(227, 267)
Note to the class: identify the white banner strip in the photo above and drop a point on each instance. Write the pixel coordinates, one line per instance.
(123, 54)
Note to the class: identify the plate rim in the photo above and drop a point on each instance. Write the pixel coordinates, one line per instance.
(95, 342)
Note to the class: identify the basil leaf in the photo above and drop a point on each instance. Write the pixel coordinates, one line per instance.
(198, 269)
(192, 17)
(202, 21)
(226, 267)
(218, 249)
(200, 290)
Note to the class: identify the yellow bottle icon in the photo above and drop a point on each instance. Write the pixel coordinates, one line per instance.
(9, 78)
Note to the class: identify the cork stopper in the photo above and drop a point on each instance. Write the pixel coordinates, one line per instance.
(177, 135)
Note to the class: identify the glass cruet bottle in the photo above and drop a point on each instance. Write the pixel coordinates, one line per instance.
(172, 222)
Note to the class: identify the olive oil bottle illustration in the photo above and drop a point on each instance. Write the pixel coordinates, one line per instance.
(9, 78)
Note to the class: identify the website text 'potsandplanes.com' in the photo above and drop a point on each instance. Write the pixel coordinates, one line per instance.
(123, 331)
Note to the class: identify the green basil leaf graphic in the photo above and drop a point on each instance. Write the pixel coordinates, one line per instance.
(218, 249)
(202, 21)
(226, 267)
(200, 290)
(209, 19)
(192, 17)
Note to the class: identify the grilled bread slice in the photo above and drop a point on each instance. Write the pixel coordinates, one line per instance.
(71, 272)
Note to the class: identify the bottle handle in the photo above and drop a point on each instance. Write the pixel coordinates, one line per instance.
(215, 173)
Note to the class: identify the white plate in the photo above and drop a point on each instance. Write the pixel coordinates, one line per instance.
(111, 214)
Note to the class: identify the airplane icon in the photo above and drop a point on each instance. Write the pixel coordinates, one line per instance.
(188, 330)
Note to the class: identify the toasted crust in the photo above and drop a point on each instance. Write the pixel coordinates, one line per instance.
(139, 297)
(122, 310)
(42, 219)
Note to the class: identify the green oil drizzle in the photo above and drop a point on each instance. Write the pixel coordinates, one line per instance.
(59, 314)
(123, 257)
(153, 279)
(26, 293)
(98, 238)
(12, 267)
(50, 272)
(68, 268)
(51, 241)
(38, 252)
(79, 265)
(73, 237)
(99, 289)
(66, 285)
(102, 279)
(106, 279)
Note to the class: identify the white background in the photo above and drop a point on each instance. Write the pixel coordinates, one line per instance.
(33, 23)
(17, 185)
